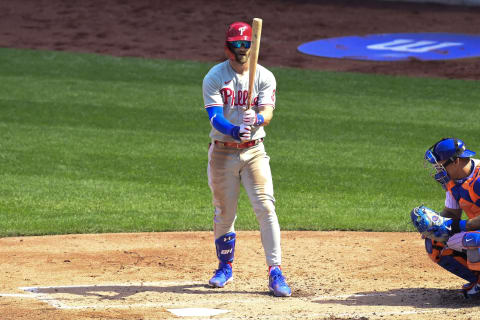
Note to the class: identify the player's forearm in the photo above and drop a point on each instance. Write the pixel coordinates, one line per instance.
(451, 213)
(461, 225)
(220, 123)
(267, 114)
(473, 224)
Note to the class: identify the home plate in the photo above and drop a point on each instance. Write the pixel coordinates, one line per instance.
(196, 312)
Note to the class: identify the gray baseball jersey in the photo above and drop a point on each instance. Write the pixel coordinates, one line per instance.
(222, 86)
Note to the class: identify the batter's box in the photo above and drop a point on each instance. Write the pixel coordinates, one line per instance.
(106, 296)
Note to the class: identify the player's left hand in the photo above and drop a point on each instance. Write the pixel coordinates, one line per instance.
(245, 133)
(430, 224)
(249, 117)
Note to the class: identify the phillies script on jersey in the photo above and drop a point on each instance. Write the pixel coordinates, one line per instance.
(238, 99)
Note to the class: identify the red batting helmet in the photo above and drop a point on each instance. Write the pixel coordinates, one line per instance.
(239, 31)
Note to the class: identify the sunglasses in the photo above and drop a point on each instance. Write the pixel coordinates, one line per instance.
(239, 43)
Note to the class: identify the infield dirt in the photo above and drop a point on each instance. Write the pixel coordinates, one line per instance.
(334, 275)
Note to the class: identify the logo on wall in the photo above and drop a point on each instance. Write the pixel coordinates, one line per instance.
(396, 46)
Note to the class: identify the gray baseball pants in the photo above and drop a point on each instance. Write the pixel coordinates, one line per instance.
(228, 168)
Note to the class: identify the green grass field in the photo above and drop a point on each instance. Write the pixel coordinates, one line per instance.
(93, 143)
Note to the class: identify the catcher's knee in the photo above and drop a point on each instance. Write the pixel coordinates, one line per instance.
(450, 260)
(471, 240)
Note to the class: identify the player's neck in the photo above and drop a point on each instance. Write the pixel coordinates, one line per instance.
(468, 168)
(465, 169)
(240, 68)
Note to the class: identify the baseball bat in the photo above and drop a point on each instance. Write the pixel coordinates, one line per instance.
(255, 48)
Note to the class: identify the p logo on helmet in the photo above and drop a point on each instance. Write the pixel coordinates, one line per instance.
(239, 31)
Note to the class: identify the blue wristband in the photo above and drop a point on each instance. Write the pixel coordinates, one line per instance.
(235, 133)
(260, 120)
(456, 225)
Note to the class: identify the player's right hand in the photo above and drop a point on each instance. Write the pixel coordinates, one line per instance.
(245, 133)
(249, 117)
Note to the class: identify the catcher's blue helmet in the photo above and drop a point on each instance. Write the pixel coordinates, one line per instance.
(447, 149)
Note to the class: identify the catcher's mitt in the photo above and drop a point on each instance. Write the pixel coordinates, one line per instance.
(430, 224)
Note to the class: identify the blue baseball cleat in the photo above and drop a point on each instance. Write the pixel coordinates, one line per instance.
(471, 290)
(277, 284)
(222, 276)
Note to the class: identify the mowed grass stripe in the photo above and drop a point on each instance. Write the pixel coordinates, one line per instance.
(94, 143)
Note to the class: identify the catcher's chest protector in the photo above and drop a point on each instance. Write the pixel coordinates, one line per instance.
(465, 194)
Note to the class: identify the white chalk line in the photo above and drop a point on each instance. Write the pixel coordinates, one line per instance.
(33, 293)
(18, 295)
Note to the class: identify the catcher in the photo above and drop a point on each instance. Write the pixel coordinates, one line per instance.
(453, 243)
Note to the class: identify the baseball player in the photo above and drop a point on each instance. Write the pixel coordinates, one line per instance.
(451, 242)
(237, 155)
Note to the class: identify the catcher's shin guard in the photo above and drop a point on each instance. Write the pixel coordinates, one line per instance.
(225, 246)
(450, 260)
